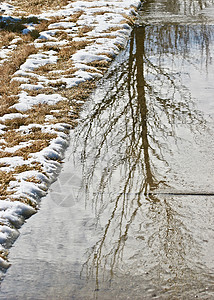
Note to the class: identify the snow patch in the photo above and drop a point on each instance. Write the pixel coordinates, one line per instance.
(27, 102)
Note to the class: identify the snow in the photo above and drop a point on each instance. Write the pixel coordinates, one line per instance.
(12, 162)
(62, 24)
(32, 86)
(27, 102)
(85, 57)
(109, 31)
(37, 60)
(1, 129)
(12, 116)
(6, 8)
(17, 147)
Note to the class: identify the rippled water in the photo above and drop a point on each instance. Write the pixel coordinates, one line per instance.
(131, 215)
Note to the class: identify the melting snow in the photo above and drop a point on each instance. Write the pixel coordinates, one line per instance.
(103, 41)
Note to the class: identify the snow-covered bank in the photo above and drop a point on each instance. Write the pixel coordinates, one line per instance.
(73, 45)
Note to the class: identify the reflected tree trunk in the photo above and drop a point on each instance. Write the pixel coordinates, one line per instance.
(124, 139)
(142, 106)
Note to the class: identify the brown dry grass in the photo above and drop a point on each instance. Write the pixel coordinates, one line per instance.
(4, 253)
(66, 52)
(5, 179)
(113, 28)
(109, 55)
(64, 63)
(6, 102)
(61, 111)
(13, 137)
(46, 69)
(43, 25)
(33, 179)
(58, 85)
(6, 37)
(26, 152)
(128, 19)
(101, 12)
(83, 30)
(8, 68)
(75, 17)
(24, 168)
(79, 93)
(53, 47)
(62, 35)
(103, 36)
(101, 65)
(9, 89)
(37, 6)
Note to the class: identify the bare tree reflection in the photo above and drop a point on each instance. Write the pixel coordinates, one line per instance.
(184, 7)
(126, 136)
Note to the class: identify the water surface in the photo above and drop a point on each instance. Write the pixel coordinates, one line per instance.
(131, 215)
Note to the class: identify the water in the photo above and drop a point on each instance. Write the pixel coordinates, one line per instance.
(131, 215)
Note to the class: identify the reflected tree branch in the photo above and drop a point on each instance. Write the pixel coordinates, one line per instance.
(125, 137)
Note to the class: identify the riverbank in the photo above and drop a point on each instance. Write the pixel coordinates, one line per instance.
(51, 55)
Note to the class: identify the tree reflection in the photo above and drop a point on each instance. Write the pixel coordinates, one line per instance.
(184, 7)
(126, 137)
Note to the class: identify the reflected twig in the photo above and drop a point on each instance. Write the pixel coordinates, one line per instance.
(125, 138)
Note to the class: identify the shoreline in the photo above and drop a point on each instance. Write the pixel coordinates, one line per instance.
(58, 55)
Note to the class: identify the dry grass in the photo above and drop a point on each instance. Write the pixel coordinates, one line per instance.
(103, 36)
(83, 30)
(61, 111)
(113, 28)
(79, 93)
(58, 85)
(94, 71)
(64, 62)
(75, 17)
(26, 152)
(46, 69)
(19, 56)
(101, 65)
(62, 35)
(5, 179)
(43, 25)
(8, 68)
(9, 89)
(14, 123)
(13, 137)
(16, 25)
(101, 12)
(6, 37)
(33, 179)
(24, 168)
(4, 253)
(109, 55)
(37, 6)
(70, 71)
(53, 47)
(2, 165)
(128, 19)
(6, 102)
(66, 52)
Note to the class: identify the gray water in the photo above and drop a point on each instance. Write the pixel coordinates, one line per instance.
(131, 215)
